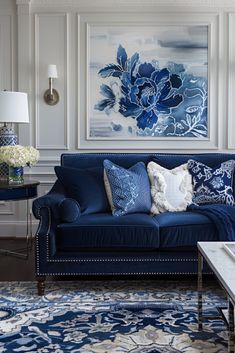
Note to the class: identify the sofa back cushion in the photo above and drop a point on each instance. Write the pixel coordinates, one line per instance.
(88, 160)
(212, 160)
(126, 160)
(86, 186)
(171, 161)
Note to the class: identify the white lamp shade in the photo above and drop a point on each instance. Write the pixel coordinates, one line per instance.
(52, 71)
(14, 107)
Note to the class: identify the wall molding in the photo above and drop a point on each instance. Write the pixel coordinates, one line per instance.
(116, 4)
(6, 208)
(13, 73)
(24, 62)
(10, 85)
(66, 85)
(23, 2)
(16, 228)
(231, 83)
(7, 81)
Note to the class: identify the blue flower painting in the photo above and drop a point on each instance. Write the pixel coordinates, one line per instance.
(141, 96)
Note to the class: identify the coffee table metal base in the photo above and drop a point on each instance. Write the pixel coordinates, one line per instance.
(231, 336)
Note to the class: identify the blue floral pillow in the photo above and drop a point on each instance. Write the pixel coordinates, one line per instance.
(130, 188)
(212, 185)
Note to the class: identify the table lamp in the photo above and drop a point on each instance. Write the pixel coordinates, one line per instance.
(13, 109)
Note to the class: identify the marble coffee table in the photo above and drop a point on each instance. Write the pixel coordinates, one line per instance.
(223, 266)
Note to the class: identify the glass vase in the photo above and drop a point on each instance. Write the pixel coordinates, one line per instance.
(15, 175)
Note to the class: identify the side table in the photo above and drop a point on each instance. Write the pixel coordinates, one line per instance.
(18, 192)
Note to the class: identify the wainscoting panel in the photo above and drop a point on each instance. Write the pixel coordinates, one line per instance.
(6, 52)
(6, 208)
(7, 78)
(231, 82)
(51, 47)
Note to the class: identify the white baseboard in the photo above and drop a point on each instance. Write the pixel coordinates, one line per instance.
(15, 229)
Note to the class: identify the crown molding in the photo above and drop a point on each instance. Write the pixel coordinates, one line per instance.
(23, 2)
(97, 4)
(23, 7)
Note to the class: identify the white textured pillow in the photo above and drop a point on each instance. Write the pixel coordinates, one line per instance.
(171, 190)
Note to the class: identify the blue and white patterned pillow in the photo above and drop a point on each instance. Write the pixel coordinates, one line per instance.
(130, 188)
(212, 185)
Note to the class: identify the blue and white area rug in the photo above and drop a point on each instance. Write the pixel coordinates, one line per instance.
(111, 316)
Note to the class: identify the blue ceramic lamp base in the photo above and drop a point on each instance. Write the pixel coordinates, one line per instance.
(7, 137)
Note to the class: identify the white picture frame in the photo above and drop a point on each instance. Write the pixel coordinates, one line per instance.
(88, 23)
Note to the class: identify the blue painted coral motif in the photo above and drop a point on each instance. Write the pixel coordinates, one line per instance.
(164, 101)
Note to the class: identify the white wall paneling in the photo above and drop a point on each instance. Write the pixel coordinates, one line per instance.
(6, 208)
(231, 81)
(130, 5)
(7, 70)
(51, 47)
(24, 65)
(7, 52)
(35, 33)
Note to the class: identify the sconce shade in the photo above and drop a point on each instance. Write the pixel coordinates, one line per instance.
(52, 71)
(14, 107)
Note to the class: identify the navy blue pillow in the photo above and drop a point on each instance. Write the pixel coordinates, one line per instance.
(212, 185)
(130, 188)
(69, 210)
(86, 186)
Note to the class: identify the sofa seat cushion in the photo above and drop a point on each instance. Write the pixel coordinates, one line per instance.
(99, 231)
(184, 229)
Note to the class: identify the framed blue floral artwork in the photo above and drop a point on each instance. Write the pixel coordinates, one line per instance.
(149, 82)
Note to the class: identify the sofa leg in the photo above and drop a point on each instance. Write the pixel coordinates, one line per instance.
(41, 284)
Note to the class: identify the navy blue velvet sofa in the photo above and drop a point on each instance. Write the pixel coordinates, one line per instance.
(136, 244)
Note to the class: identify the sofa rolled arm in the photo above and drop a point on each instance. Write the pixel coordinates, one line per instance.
(51, 201)
(54, 208)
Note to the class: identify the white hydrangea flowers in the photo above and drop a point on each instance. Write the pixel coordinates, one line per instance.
(19, 156)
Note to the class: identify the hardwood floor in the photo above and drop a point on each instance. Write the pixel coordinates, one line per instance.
(13, 268)
(17, 269)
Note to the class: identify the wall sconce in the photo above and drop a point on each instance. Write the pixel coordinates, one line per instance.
(51, 96)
